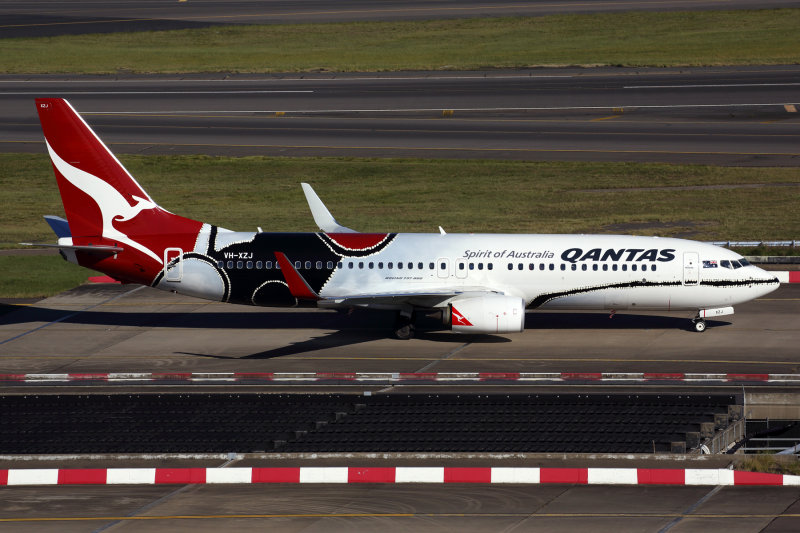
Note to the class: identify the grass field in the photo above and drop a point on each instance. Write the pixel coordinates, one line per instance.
(416, 195)
(627, 38)
(38, 276)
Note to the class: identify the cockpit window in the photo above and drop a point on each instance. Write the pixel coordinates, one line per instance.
(725, 263)
(744, 262)
(736, 264)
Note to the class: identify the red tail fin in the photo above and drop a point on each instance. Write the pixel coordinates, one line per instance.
(104, 203)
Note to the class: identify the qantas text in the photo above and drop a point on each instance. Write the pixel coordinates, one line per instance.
(574, 255)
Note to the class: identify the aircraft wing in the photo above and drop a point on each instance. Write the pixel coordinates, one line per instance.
(427, 298)
(431, 297)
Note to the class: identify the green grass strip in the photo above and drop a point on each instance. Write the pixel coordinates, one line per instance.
(38, 276)
(628, 38)
(417, 195)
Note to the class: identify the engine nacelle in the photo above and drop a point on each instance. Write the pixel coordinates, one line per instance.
(493, 313)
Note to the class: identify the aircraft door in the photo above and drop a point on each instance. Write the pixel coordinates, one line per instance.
(443, 267)
(173, 264)
(691, 269)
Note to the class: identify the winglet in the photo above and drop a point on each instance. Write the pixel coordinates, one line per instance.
(297, 285)
(322, 217)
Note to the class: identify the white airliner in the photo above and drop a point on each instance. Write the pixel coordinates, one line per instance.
(480, 283)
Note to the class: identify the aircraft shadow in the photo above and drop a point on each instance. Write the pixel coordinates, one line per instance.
(348, 329)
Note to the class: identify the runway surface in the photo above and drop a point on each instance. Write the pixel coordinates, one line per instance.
(40, 18)
(729, 116)
(112, 328)
(461, 507)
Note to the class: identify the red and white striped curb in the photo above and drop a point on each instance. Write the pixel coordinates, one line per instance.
(399, 474)
(791, 276)
(403, 377)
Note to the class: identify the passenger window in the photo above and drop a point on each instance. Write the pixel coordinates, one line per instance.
(552, 266)
(330, 265)
(490, 266)
(430, 266)
(624, 268)
(259, 264)
(574, 266)
(605, 267)
(390, 265)
(480, 266)
(541, 266)
(399, 264)
(420, 266)
(361, 264)
(230, 264)
(350, 264)
(221, 264)
(249, 265)
(339, 265)
(653, 268)
(633, 267)
(239, 264)
(614, 267)
(594, 267)
(510, 266)
(519, 266)
(442, 266)
(380, 264)
(584, 267)
(298, 265)
(563, 266)
(371, 265)
(411, 266)
(308, 265)
(472, 266)
(531, 266)
(319, 265)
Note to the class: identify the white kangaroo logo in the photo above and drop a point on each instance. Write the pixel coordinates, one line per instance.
(112, 204)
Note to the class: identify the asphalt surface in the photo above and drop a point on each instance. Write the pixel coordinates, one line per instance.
(112, 328)
(728, 116)
(40, 18)
(455, 507)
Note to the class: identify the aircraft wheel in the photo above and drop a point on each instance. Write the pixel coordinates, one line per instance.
(700, 325)
(404, 332)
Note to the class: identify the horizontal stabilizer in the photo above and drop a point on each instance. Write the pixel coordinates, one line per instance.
(92, 249)
(322, 217)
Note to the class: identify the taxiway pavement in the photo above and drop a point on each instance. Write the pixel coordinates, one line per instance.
(113, 328)
(40, 18)
(728, 116)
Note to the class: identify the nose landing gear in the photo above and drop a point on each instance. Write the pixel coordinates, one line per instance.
(699, 325)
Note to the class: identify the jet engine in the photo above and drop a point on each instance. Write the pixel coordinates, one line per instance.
(494, 313)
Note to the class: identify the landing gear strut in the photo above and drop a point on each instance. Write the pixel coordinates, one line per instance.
(404, 327)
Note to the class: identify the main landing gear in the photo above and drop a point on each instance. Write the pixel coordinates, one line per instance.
(404, 328)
